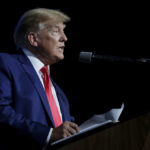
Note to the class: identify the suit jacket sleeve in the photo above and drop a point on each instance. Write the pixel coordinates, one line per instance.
(15, 129)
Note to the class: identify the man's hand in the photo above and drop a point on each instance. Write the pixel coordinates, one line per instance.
(64, 130)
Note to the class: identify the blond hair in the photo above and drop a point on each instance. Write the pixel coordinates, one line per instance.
(30, 21)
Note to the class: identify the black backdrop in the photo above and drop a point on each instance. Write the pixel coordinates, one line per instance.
(119, 29)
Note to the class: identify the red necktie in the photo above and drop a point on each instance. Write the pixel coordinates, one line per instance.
(52, 104)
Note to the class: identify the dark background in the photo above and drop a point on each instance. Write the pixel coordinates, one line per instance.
(120, 29)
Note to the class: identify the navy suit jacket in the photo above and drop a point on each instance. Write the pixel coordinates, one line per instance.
(25, 116)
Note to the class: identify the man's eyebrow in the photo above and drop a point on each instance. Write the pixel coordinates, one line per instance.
(57, 26)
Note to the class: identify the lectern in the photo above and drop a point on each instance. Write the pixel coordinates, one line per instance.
(132, 134)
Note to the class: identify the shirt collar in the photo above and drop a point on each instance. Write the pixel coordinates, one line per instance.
(36, 62)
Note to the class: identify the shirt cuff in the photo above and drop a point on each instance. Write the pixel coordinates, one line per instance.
(48, 138)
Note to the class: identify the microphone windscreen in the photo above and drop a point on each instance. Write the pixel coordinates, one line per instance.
(85, 57)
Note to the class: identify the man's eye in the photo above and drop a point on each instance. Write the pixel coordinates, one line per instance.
(55, 32)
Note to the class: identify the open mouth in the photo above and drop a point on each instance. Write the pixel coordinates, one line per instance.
(61, 48)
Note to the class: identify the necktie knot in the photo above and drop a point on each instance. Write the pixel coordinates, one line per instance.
(44, 70)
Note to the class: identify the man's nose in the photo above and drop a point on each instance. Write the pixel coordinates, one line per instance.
(63, 37)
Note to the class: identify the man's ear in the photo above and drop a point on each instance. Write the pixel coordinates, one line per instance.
(32, 38)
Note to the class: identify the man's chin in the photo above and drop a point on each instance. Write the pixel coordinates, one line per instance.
(59, 59)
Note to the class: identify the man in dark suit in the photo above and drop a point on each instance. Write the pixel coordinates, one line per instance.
(28, 118)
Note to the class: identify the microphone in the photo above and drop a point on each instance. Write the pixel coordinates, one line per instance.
(89, 57)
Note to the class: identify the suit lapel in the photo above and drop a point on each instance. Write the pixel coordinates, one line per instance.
(32, 75)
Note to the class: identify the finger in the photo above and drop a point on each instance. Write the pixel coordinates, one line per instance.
(71, 130)
(74, 126)
(69, 127)
(66, 133)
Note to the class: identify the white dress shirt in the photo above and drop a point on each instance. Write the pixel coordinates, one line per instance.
(37, 64)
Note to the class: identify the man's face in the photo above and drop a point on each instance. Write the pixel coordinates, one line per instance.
(51, 42)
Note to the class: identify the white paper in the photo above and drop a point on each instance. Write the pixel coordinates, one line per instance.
(97, 121)
(110, 116)
(114, 114)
